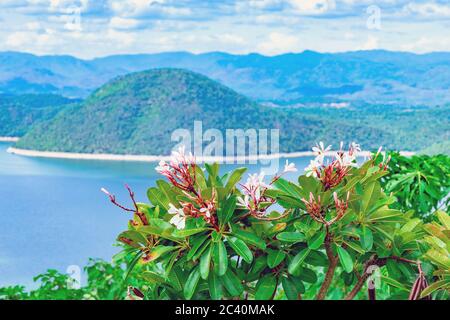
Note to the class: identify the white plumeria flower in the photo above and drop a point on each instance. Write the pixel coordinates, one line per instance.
(320, 149)
(289, 167)
(163, 166)
(355, 148)
(256, 181)
(206, 212)
(346, 160)
(179, 218)
(314, 165)
(244, 202)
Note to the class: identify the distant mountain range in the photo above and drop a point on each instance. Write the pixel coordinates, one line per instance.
(137, 114)
(374, 77)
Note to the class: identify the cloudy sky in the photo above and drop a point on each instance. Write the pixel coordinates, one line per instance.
(90, 28)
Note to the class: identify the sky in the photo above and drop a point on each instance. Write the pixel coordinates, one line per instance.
(92, 28)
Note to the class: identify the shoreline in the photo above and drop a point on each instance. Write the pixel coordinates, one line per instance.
(9, 139)
(155, 158)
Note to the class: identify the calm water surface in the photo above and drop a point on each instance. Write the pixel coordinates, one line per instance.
(53, 215)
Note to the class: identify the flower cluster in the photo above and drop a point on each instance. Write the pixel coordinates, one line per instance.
(180, 171)
(316, 211)
(254, 191)
(205, 209)
(332, 173)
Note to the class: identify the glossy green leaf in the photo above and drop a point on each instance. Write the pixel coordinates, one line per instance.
(345, 259)
(249, 238)
(275, 257)
(298, 260)
(205, 262)
(241, 249)
(366, 238)
(232, 283)
(291, 236)
(234, 178)
(265, 288)
(290, 290)
(215, 286)
(220, 258)
(317, 240)
(225, 213)
(191, 283)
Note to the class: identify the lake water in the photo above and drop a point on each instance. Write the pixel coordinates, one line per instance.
(53, 215)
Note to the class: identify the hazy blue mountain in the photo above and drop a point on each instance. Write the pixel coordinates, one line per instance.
(376, 77)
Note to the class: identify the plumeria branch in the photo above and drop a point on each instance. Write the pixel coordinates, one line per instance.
(181, 172)
(113, 200)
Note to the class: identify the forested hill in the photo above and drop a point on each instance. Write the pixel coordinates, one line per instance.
(19, 112)
(137, 113)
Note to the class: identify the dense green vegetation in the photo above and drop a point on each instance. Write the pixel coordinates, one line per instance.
(420, 183)
(280, 255)
(421, 129)
(137, 113)
(19, 113)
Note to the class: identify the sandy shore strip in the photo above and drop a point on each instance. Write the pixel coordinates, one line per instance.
(9, 139)
(153, 158)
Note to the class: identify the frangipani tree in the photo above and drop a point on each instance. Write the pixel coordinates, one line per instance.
(206, 236)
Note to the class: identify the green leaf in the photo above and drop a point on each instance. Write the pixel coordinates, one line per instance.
(266, 287)
(234, 178)
(438, 285)
(393, 283)
(191, 283)
(366, 239)
(215, 287)
(444, 218)
(288, 187)
(317, 240)
(158, 251)
(290, 237)
(298, 260)
(153, 277)
(370, 195)
(232, 283)
(220, 258)
(345, 259)
(158, 198)
(249, 238)
(307, 275)
(195, 245)
(241, 249)
(225, 213)
(275, 257)
(205, 262)
(188, 232)
(290, 290)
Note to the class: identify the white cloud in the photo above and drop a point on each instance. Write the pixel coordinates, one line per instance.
(279, 43)
(312, 6)
(134, 7)
(124, 23)
(370, 44)
(429, 9)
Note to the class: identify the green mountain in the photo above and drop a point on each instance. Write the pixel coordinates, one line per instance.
(137, 113)
(18, 113)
